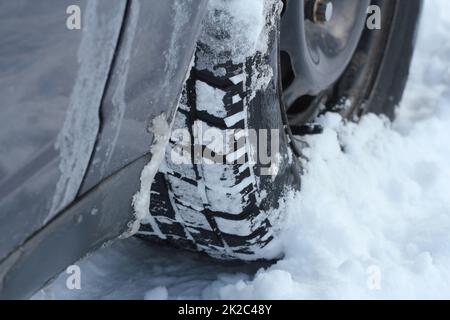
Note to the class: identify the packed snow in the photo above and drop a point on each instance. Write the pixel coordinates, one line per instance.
(141, 200)
(372, 219)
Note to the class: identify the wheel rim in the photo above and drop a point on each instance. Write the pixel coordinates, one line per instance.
(318, 40)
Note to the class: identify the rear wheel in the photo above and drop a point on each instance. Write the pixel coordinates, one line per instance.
(260, 75)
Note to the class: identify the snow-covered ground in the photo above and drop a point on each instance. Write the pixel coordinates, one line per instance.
(370, 222)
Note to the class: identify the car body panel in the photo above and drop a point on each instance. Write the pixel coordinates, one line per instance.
(51, 83)
(91, 222)
(148, 64)
(75, 114)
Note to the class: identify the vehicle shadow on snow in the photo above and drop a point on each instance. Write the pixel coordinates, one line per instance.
(130, 268)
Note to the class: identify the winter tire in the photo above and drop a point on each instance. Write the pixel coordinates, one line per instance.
(229, 208)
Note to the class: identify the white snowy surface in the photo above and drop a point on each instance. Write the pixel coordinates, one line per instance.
(372, 220)
(210, 99)
(245, 25)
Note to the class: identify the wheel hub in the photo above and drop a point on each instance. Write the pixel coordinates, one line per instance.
(318, 40)
(319, 11)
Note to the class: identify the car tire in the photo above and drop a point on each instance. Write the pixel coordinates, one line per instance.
(231, 209)
(227, 209)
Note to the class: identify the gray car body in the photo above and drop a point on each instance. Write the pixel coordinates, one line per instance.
(74, 117)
